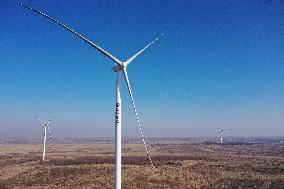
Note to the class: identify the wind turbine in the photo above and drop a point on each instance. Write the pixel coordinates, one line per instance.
(120, 66)
(220, 134)
(46, 127)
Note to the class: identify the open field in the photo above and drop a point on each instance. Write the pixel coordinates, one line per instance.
(180, 163)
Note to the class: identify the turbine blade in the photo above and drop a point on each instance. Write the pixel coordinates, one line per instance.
(75, 33)
(136, 114)
(49, 133)
(36, 117)
(48, 122)
(50, 138)
(134, 56)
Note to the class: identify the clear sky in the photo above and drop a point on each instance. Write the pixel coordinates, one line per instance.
(219, 64)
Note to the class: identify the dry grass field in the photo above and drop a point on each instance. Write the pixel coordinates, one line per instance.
(180, 163)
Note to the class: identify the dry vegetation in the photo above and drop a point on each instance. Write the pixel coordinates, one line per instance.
(179, 164)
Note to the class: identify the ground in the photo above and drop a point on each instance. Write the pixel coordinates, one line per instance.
(179, 163)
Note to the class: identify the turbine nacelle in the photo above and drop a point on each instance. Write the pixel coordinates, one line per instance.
(220, 130)
(117, 68)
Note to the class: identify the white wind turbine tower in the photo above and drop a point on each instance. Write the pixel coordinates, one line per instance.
(46, 127)
(120, 66)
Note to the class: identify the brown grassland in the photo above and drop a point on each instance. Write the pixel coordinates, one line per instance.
(180, 163)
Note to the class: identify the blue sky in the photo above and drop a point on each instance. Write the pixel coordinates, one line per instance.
(219, 64)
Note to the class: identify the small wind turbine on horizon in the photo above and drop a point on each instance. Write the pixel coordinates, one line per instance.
(220, 134)
(120, 66)
(46, 127)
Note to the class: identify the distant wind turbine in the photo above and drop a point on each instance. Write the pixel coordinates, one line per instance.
(220, 134)
(120, 66)
(46, 127)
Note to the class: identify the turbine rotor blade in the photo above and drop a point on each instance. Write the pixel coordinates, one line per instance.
(48, 122)
(49, 133)
(36, 117)
(134, 56)
(50, 137)
(75, 33)
(136, 114)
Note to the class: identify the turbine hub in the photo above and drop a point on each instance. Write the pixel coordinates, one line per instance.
(124, 64)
